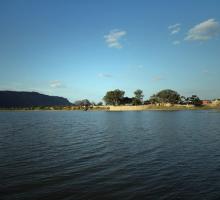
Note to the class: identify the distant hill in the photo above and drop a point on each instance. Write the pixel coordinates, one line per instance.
(12, 99)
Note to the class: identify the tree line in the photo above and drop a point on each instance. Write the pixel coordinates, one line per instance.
(117, 97)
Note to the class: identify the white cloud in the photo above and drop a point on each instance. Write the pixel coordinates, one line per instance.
(102, 75)
(114, 37)
(56, 84)
(176, 42)
(174, 29)
(204, 31)
(173, 26)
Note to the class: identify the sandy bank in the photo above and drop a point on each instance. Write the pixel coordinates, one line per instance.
(150, 107)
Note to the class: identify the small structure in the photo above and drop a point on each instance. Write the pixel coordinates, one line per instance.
(206, 102)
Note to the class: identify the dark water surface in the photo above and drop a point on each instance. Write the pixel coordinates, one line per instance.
(109, 155)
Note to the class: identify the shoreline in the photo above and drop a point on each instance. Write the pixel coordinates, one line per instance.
(120, 108)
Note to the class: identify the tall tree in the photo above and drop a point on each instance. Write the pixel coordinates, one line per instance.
(138, 94)
(114, 97)
(166, 96)
(138, 97)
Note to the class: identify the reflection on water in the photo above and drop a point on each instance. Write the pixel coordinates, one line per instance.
(110, 155)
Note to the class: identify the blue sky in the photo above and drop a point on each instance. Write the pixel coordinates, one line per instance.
(81, 49)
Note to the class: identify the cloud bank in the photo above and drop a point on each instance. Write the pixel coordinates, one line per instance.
(205, 30)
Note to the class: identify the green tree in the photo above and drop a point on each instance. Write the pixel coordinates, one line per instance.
(84, 102)
(99, 104)
(138, 94)
(166, 96)
(126, 100)
(136, 102)
(138, 97)
(114, 97)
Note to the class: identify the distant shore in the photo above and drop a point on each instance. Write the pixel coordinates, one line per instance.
(117, 108)
(161, 107)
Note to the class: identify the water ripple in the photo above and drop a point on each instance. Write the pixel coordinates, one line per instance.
(110, 155)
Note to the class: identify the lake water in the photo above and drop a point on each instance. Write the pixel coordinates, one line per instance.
(76, 155)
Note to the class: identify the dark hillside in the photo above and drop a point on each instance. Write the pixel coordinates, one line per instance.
(12, 99)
